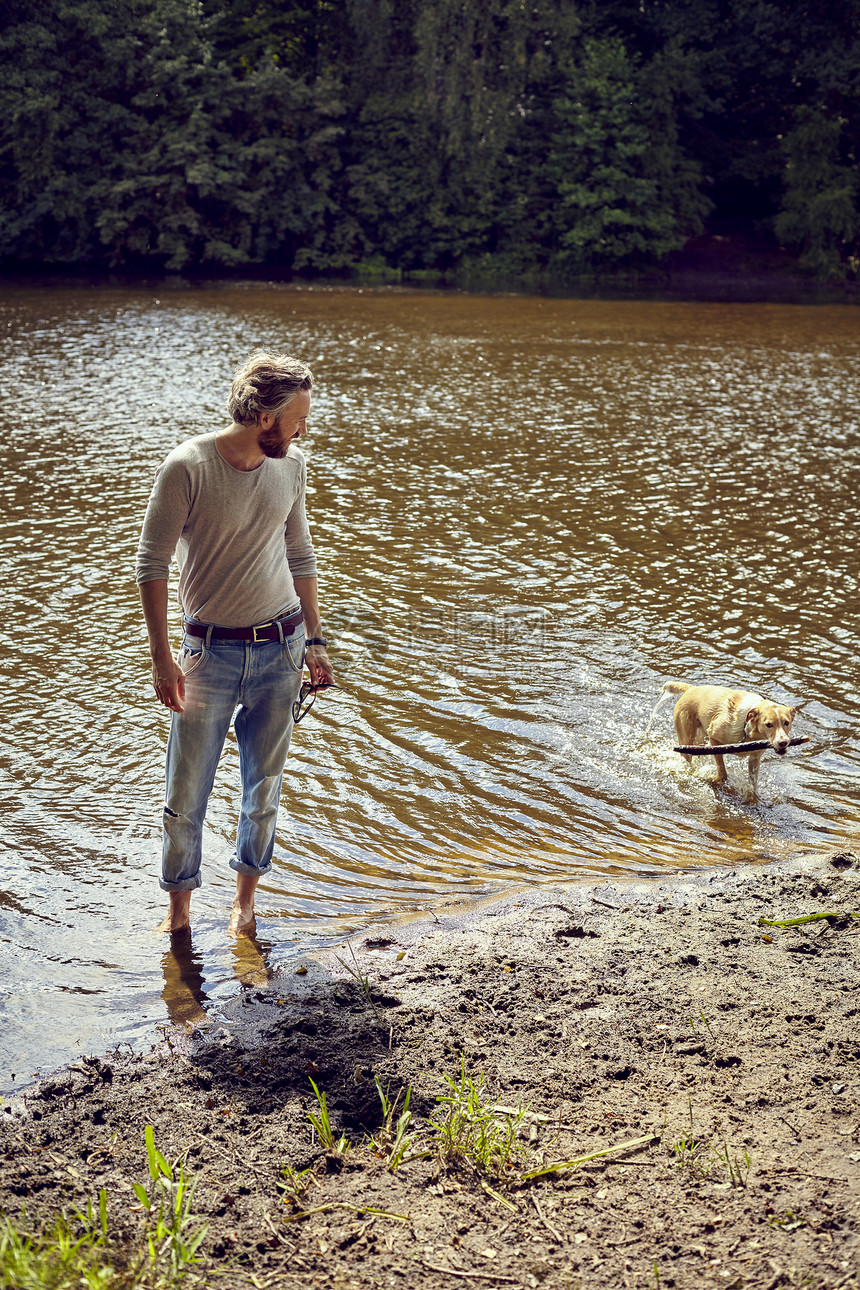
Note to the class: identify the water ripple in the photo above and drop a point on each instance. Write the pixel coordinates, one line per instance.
(528, 514)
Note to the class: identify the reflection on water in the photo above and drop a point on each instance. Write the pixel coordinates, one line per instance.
(183, 969)
(529, 514)
(184, 992)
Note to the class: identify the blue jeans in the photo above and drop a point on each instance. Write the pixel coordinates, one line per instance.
(259, 683)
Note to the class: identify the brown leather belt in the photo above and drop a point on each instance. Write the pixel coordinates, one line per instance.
(262, 632)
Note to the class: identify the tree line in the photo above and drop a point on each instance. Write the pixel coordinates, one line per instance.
(563, 137)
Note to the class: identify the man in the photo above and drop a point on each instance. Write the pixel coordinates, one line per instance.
(231, 506)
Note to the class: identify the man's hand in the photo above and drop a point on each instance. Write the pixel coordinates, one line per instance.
(168, 681)
(318, 665)
(315, 656)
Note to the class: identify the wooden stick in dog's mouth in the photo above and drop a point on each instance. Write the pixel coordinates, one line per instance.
(755, 745)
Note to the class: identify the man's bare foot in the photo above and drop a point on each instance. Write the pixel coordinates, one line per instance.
(242, 919)
(179, 915)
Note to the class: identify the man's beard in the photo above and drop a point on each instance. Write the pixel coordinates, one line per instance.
(272, 444)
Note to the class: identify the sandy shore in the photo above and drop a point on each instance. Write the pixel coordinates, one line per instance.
(658, 1012)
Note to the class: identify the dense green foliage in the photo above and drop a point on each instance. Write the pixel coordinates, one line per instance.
(561, 136)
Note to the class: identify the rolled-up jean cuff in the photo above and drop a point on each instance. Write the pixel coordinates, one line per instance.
(241, 867)
(184, 884)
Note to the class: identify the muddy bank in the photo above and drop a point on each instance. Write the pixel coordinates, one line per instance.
(614, 1011)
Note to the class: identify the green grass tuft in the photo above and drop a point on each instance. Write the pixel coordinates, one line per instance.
(323, 1126)
(76, 1253)
(472, 1130)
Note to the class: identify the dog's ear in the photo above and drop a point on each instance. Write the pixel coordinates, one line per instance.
(753, 712)
(792, 712)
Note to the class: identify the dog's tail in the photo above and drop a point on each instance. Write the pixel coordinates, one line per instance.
(669, 689)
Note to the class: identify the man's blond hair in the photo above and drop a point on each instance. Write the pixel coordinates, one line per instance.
(266, 382)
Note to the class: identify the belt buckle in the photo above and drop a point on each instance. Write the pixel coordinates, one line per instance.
(255, 639)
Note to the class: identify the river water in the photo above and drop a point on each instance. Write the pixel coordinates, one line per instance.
(529, 514)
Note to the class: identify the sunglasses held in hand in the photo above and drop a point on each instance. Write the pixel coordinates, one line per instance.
(307, 694)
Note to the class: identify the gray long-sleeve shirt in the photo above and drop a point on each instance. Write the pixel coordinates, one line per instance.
(239, 536)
